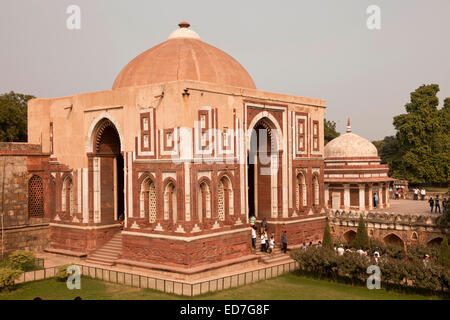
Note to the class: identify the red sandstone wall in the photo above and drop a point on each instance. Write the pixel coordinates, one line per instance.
(187, 254)
(80, 240)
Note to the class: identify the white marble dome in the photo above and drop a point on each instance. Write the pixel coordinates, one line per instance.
(350, 145)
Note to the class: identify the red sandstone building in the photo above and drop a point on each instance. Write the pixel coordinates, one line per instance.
(176, 149)
(353, 174)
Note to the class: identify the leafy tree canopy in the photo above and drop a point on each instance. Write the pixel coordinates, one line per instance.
(330, 130)
(13, 117)
(420, 151)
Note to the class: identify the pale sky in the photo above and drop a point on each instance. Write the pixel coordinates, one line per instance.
(321, 49)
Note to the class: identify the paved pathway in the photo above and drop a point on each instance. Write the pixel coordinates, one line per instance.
(418, 207)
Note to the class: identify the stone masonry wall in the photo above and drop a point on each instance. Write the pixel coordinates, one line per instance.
(19, 232)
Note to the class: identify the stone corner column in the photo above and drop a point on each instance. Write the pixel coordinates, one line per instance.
(362, 198)
(346, 196)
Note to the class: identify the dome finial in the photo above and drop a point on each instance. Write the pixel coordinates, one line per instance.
(184, 32)
(349, 128)
(184, 24)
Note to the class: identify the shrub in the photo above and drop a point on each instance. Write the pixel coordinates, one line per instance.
(354, 266)
(7, 277)
(21, 259)
(444, 253)
(61, 274)
(404, 273)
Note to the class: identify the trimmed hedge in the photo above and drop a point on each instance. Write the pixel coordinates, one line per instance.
(400, 273)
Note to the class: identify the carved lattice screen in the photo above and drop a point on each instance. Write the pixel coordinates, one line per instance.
(35, 197)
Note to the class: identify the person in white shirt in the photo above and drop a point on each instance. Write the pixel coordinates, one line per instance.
(272, 246)
(361, 252)
(416, 194)
(376, 255)
(422, 194)
(253, 237)
(263, 243)
(341, 250)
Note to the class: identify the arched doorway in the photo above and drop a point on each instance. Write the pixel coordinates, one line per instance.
(436, 242)
(262, 169)
(349, 236)
(393, 239)
(108, 177)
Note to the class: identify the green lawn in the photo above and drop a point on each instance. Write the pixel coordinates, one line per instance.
(285, 287)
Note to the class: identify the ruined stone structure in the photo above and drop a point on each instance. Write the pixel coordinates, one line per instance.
(398, 229)
(182, 149)
(24, 224)
(353, 174)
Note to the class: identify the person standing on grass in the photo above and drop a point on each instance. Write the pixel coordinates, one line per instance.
(284, 241)
(422, 194)
(431, 202)
(253, 237)
(436, 204)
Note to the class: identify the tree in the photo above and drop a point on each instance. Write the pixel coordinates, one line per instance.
(444, 253)
(387, 149)
(13, 117)
(327, 241)
(329, 130)
(423, 136)
(361, 238)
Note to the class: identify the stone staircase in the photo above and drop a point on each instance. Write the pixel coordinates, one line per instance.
(109, 253)
(278, 256)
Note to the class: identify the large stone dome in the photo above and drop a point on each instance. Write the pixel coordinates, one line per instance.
(183, 57)
(350, 145)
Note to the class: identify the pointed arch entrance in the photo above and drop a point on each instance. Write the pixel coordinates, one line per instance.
(107, 168)
(262, 169)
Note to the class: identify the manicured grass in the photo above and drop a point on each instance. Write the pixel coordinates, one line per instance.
(285, 287)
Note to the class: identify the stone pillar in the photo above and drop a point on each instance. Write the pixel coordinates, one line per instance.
(370, 197)
(387, 205)
(327, 194)
(380, 195)
(362, 204)
(346, 196)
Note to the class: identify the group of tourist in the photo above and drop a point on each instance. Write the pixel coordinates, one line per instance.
(434, 203)
(419, 191)
(399, 193)
(267, 243)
